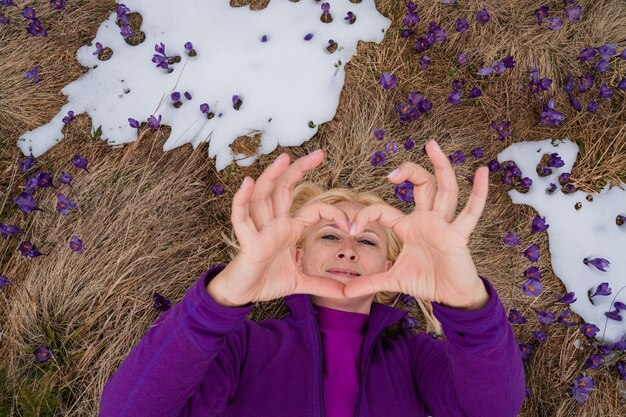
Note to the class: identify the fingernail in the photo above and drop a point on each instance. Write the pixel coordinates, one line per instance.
(278, 157)
(393, 173)
(315, 152)
(353, 229)
(243, 182)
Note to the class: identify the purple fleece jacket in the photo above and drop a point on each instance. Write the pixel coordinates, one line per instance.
(203, 359)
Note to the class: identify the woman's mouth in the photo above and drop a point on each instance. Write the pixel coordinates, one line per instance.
(343, 274)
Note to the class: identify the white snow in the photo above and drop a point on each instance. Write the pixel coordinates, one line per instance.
(590, 232)
(286, 79)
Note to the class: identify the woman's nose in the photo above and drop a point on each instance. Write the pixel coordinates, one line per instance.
(347, 250)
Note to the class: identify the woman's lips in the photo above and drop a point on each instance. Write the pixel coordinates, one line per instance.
(343, 274)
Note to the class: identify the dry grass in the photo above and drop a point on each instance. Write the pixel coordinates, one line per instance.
(149, 221)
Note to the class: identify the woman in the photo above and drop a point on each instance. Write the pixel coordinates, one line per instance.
(325, 358)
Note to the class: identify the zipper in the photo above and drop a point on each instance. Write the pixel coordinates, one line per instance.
(367, 361)
(321, 374)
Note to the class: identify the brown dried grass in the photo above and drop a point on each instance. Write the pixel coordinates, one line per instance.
(149, 221)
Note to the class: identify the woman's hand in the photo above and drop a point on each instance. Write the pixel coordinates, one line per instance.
(435, 263)
(265, 267)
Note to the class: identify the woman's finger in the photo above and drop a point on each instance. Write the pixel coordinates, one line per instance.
(313, 212)
(371, 284)
(382, 213)
(282, 194)
(261, 207)
(244, 227)
(467, 220)
(320, 286)
(446, 198)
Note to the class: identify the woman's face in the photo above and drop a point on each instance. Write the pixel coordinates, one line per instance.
(328, 247)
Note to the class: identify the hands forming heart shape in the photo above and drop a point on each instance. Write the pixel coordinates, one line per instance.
(435, 263)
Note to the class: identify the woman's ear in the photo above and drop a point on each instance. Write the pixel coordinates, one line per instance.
(388, 264)
(299, 254)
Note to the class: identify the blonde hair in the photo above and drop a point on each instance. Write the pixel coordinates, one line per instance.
(307, 192)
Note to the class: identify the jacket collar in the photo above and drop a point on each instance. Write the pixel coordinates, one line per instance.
(381, 315)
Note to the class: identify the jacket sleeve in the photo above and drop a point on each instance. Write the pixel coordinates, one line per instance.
(478, 370)
(164, 369)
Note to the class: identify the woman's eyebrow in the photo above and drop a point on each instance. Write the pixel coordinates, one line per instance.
(335, 227)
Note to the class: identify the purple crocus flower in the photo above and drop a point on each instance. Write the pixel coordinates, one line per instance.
(4, 282)
(516, 317)
(606, 51)
(587, 54)
(35, 29)
(564, 178)
(391, 148)
(555, 160)
(454, 98)
(462, 59)
(594, 361)
(175, 96)
(43, 354)
(568, 298)
(582, 387)
(605, 91)
(308, 36)
(379, 134)
(378, 159)
(475, 92)
(461, 25)
(457, 157)
(350, 17)
(187, 95)
(153, 122)
(69, 118)
(545, 317)
(26, 202)
(409, 144)
(586, 82)
(493, 165)
(65, 179)
(44, 179)
(592, 106)
(57, 4)
(133, 123)
(550, 116)
(76, 245)
(511, 239)
(540, 336)
(424, 62)
(532, 287)
(33, 74)
(7, 230)
(477, 153)
(64, 205)
(27, 249)
(4, 20)
(217, 190)
(483, 16)
(29, 13)
(613, 315)
(599, 263)
(160, 303)
(589, 330)
(99, 48)
(126, 31)
(533, 272)
(526, 350)
(539, 224)
(573, 13)
(532, 253)
(388, 81)
(502, 129)
(541, 13)
(410, 20)
(601, 65)
(575, 102)
(458, 85)
(27, 163)
(81, 162)
(7, 3)
(562, 319)
(554, 23)
(508, 62)
(404, 191)
(264, 38)
(204, 108)
(622, 84)
(603, 289)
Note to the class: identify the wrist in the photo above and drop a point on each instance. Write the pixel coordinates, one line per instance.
(216, 295)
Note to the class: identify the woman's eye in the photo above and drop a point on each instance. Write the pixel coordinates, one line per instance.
(368, 242)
